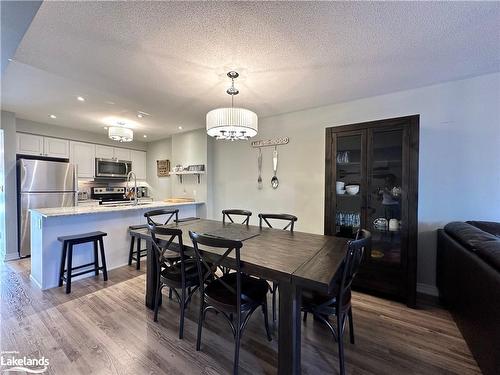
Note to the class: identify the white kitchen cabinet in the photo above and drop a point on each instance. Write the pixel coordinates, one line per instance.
(122, 153)
(138, 159)
(83, 155)
(29, 144)
(104, 152)
(108, 152)
(56, 147)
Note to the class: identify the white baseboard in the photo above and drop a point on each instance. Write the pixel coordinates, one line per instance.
(35, 282)
(428, 289)
(11, 256)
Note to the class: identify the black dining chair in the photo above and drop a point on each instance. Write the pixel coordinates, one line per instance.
(236, 212)
(234, 295)
(290, 221)
(162, 212)
(338, 303)
(181, 275)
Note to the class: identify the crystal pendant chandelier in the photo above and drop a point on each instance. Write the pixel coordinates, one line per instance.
(232, 123)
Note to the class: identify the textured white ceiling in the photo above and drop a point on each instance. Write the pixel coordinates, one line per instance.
(169, 59)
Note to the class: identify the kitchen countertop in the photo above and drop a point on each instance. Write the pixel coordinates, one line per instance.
(90, 210)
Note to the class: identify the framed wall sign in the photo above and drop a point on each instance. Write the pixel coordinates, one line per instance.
(163, 168)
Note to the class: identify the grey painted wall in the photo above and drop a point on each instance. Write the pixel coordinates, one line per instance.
(160, 187)
(50, 130)
(459, 160)
(8, 124)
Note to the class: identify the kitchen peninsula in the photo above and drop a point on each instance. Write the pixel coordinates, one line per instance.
(47, 224)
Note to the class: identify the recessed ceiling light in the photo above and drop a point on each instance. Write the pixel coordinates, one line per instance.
(145, 136)
(179, 127)
(80, 98)
(140, 115)
(52, 116)
(10, 59)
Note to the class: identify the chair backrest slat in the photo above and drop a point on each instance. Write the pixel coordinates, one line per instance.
(290, 219)
(150, 214)
(236, 212)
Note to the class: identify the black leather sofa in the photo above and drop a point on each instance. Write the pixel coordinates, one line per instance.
(468, 279)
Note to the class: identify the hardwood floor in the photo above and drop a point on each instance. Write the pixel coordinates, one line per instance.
(105, 328)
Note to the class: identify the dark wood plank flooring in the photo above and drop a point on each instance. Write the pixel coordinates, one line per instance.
(105, 328)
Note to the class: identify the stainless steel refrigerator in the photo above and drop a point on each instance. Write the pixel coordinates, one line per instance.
(42, 184)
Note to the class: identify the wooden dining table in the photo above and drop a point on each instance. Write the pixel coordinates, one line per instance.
(295, 260)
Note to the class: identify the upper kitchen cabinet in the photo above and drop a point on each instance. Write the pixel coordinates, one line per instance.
(138, 159)
(108, 152)
(104, 152)
(82, 154)
(29, 144)
(122, 153)
(56, 148)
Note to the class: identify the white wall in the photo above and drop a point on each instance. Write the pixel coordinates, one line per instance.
(459, 177)
(8, 124)
(185, 149)
(188, 149)
(159, 187)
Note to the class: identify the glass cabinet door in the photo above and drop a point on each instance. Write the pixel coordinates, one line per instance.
(349, 177)
(385, 191)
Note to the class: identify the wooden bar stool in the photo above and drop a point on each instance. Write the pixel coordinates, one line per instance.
(67, 252)
(138, 253)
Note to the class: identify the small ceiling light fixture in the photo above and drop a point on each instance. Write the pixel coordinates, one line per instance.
(52, 116)
(145, 136)
(141, 114)
(80, 98)
(120, 134)
(179, 127)
(120, 129)
(232, 123)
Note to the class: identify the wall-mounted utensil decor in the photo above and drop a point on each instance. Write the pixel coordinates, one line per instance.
(163, 168)
(271, 142)
(274, 180)
(259, 166)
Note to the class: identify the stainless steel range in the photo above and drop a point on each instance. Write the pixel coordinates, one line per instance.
(109, 195)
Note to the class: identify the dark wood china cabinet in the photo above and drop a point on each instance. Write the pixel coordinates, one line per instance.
(371, 182)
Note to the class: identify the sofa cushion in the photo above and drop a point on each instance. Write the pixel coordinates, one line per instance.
(484, 244)
(487, 226)
(489, 251)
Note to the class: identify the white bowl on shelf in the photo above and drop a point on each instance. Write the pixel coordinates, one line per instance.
(341, 192)
(352, 189)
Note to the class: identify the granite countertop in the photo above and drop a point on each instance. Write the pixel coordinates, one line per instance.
(90, 210)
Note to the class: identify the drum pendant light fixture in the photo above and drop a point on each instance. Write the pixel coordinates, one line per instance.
(232, 123)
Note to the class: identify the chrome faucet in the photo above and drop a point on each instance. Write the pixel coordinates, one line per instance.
(135, 187)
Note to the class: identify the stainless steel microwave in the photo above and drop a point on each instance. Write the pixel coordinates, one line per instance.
(111, 168)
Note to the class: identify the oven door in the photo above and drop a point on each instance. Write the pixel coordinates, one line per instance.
(112, 168)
